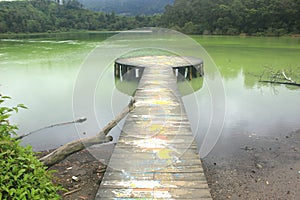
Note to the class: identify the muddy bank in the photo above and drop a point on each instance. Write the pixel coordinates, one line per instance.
(255, 167)
(81, 173)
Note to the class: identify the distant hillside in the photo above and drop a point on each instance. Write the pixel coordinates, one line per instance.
(127, 7)
(35, 16)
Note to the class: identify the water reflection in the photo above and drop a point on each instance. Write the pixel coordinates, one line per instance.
(261, 110)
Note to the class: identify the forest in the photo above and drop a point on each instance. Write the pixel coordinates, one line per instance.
(127, 7)
(218, 17)
(233, 17)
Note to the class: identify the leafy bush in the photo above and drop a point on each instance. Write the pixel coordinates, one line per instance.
(22, 175)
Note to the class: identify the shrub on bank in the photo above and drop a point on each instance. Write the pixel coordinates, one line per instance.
(22, 175)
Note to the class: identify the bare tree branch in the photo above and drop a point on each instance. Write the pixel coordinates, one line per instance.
(277, 77)
(72, 147)
(287, 78)
(80, 120)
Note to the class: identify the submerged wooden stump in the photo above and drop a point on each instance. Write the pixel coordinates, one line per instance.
(156, 156)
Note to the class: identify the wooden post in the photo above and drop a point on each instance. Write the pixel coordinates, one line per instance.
(124, 69)
(194, 72)
(120, 71)
(186, 71)
(201, 70)
(182, 72)
(117, 68)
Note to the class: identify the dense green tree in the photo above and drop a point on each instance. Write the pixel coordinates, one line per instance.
(228, 17)
(127, 7)
(47, 15)
(254, 17)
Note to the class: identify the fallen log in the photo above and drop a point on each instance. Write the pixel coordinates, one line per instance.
(75, 146)
(280, 82)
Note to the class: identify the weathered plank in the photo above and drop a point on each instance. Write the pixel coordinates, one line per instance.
(156, 156)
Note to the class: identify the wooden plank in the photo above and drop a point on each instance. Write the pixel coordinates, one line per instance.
(124, 150)
(140, 145)
(156, 156)
(180, 193)
(156, 184)
(165, 193)
(116, 198)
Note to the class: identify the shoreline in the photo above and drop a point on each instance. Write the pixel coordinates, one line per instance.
(81, 173)
(12, 35)
(38, 35)
(263, 167)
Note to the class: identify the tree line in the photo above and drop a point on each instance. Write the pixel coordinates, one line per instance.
(127, 7)
(221, 17)
(232, 17)
(48, 16)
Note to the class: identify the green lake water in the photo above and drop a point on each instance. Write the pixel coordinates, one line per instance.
(256, 109)
(41, 71)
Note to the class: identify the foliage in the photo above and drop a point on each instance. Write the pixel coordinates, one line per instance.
(220, 17)
(49, 16)
(127, 7)
(232, 17)
(22, 175)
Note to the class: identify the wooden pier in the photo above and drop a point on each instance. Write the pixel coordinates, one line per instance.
(156, 156)
(183, 67)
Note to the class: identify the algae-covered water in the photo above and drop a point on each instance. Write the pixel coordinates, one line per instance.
(256, 109)
(40, 71)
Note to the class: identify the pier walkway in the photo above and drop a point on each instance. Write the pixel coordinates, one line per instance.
(155, 157)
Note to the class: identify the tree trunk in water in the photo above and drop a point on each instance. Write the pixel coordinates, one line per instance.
(279, 82)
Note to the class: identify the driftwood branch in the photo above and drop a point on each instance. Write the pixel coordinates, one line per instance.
(75, 146)
(280, 82)
(80, 120)
(288, 78)
(277, 77)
